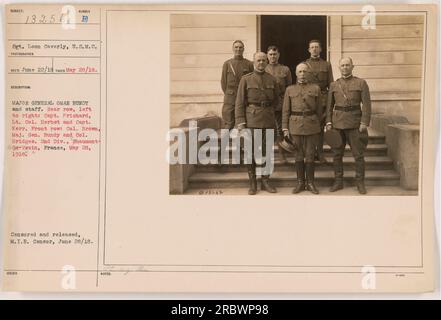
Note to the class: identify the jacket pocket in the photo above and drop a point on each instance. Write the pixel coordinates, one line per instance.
(269, 91)
(355, 95)
(311, 99)
(253, 92)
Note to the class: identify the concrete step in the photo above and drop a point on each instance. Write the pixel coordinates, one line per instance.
(372, 163)
(207, 180)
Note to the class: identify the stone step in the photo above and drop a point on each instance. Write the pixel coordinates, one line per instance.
(207, 180)
(287, 191)
(375, 137)
(371, 163)
(378, 149)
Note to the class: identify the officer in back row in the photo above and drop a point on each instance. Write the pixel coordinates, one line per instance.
(284, 79)
(349, 112)
(320, 73)
(232, 71)
(257, 98)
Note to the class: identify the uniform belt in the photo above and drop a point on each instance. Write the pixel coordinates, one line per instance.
(263, 104)
(347, 109)
(302, 113)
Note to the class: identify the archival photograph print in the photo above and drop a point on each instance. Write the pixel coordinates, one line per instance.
(258, 149)
(296, 104)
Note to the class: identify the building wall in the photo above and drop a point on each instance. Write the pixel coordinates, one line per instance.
(200, 44)
(389, 57)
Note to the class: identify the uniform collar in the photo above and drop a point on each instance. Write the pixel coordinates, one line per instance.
(347, 77)
(314, 59)
(302, 83)
(237, 58)
(259, 72)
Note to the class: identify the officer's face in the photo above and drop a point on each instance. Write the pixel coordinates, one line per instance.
(346, 67)
(273, 56)
(260, 61)
(238, 49)
(315, 49)
(301, 72)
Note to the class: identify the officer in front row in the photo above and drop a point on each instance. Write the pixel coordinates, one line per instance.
(349, 111)
(257, 99)
(301, 117)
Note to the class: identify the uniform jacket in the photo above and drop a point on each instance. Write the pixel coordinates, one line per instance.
(301, 98)
(321, 75)
(254, 90)
(352, 91)
(232, 71)
(283, 77)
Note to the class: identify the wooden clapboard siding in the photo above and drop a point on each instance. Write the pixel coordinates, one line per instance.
(199, 45)
(198, 61)
(391, 71)
(195, 87)
(210, 20)
(206, 98)
(397, 106)
(183, 74)
(388, 57)
(395, 96)
(395, 85)
(383, 31)
(379, 45)
(381, 19)
(204, 34)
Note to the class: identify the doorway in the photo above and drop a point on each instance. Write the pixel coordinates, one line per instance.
(291, 34)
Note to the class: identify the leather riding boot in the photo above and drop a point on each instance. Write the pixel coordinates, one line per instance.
(300, 169)
(359, 176)
(310, 178)
(266, 186)
(338, 176)
(360, 187)
(252, 178)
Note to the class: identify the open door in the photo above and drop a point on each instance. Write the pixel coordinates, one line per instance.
(291, 34)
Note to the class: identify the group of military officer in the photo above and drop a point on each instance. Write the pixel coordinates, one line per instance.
(261, 95)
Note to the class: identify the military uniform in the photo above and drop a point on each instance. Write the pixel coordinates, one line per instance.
(284, 79)
(321, 75)
(257, 98)
(302, 111)
(232, 71)
(345, 114)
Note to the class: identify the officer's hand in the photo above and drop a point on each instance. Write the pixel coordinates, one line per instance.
(363, 127)
(286, 133)
(328, 126)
